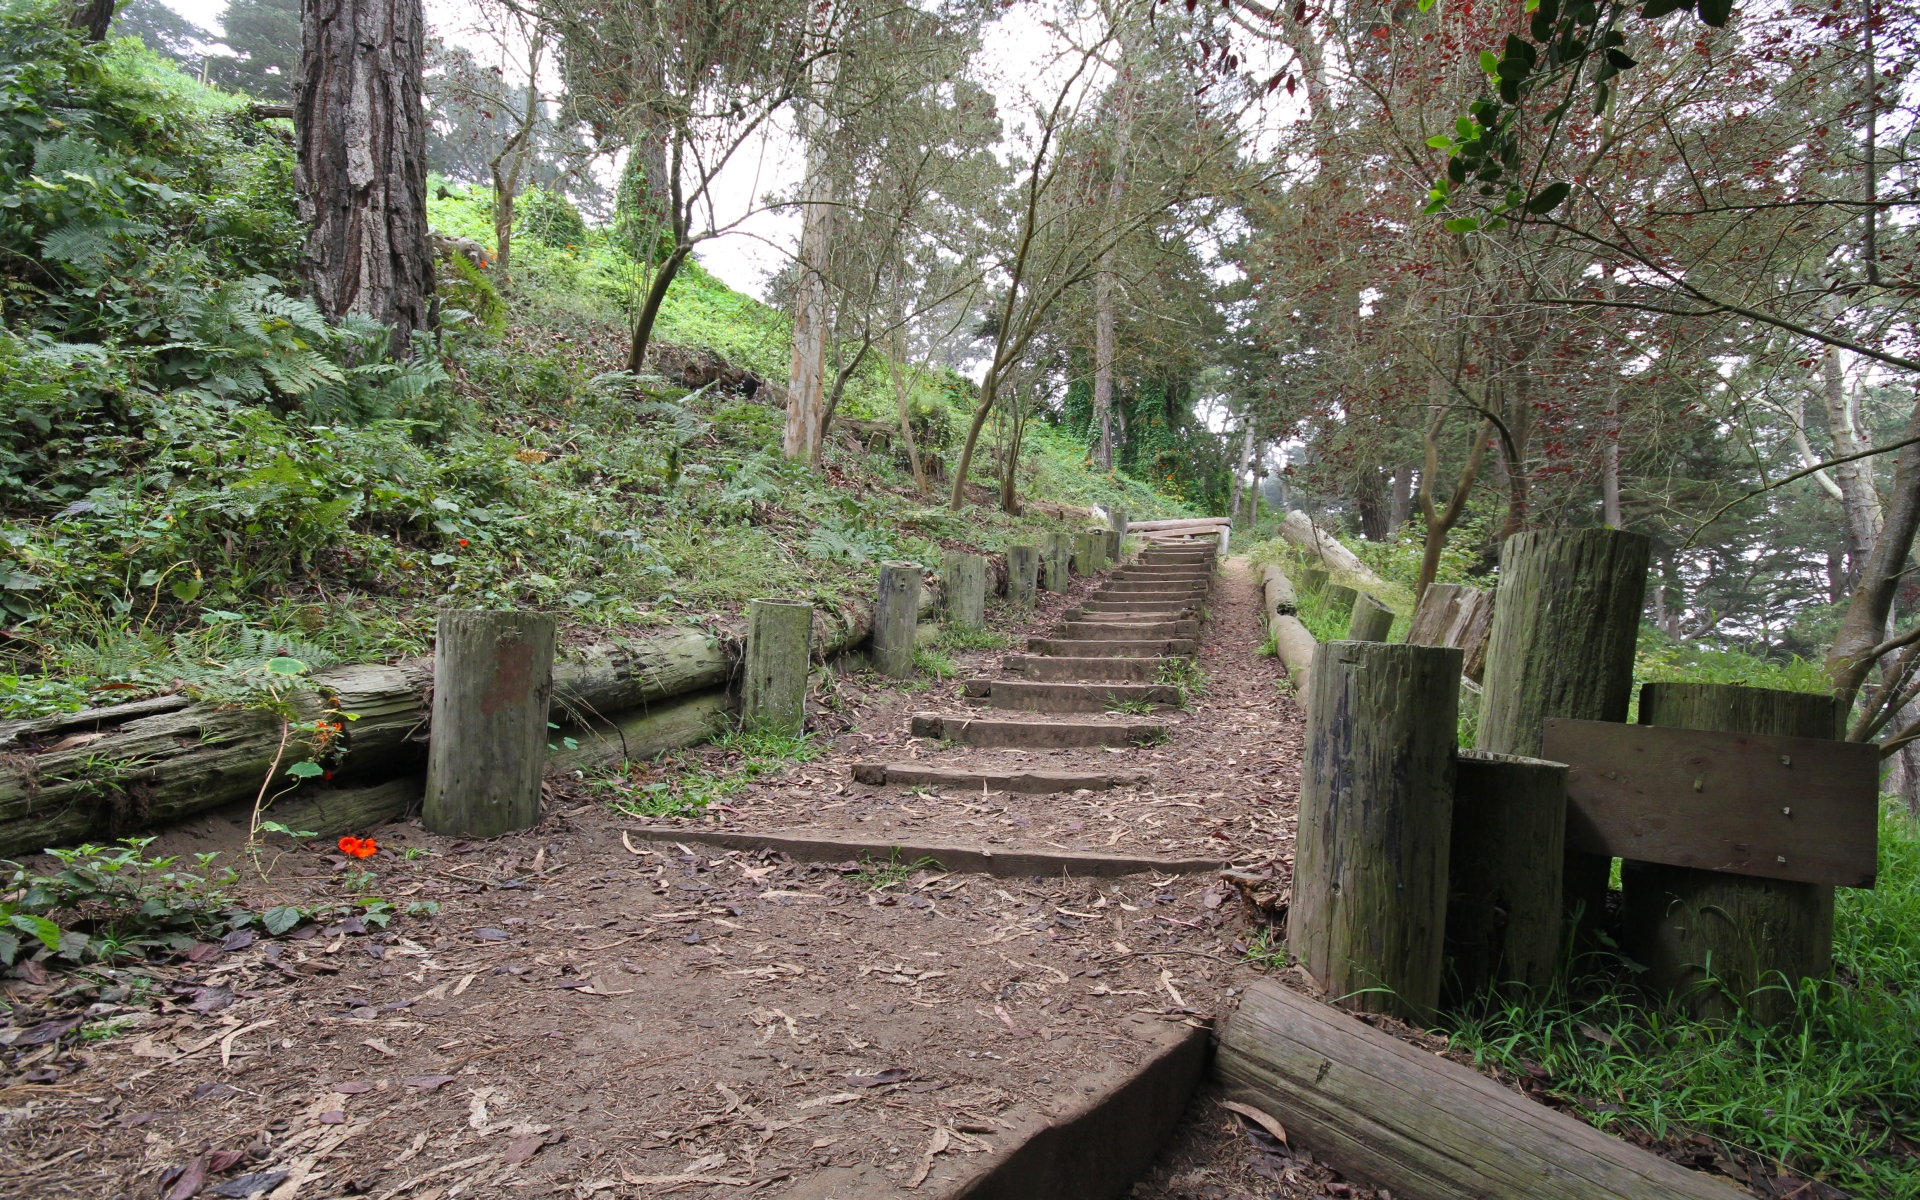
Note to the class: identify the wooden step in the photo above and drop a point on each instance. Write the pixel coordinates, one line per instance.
(1136, 670)
(1047, 696)
(1201, 572)
(1151, 587)
(1125, 631)
(1106, 612)
(991, 731)
(1084, 648)
(1012, 779)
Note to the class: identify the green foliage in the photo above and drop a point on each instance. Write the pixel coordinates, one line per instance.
(40, 696)
(1661, 659)
(959, 637)
(1191, 678)
(928, 661)
(878, 875)
(688, 793)
(106, 901)
(1829, 1094)
(548, 217)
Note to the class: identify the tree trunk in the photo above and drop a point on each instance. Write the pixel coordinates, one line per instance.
(1754, 939)
(1376, 810)
(1105, 281)
(1878, 581)
(1566, 622)
(492, 685)
(361, 173)
(1400, 502)
(650, 307)
(806, 374)
(1240, 472)
(92, 17)
(906, 419)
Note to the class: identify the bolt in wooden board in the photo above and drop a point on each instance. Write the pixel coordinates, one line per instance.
(1773, 807)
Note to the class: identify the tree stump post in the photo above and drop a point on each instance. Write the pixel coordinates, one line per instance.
(1088, 550)
(1755, 938)
(1503, 890)
(1023, 575)
(1372, 620)
(1057, 558)
(1566, 621)
(1309, 580)
(1338, 600)
(896, 615)
(1117, 520)
(773, 694)
(492, 681)
(963, 582)
(1376, 815)
(1110, 546)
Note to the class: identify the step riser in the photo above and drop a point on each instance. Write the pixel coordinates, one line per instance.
(1128, 670)
(1128, 614)
(1093, 631)
(1032, 783)
(1024, 702)
(1052, 697)
(1196, 573)
(1037, 734)
(1132, 587)
(1083, 648)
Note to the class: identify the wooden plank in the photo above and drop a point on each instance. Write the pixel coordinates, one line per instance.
(1804, 809)
(1424, 1127)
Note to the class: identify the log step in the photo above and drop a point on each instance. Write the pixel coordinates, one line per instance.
(1138, 670)
(1083, 648)
(1044, 696)
(914, 774)
(1201, 573)
(1124, 631)
(1153, 587)
(987, 731)
(1111, 613)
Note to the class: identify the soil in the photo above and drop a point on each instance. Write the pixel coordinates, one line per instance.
(592, 1015)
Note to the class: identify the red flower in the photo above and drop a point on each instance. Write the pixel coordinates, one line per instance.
(463, 541)
(355, 847)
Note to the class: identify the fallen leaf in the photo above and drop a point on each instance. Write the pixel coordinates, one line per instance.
(353, 1087)
(189, 1181)
(836, 1098)
(239, 939)
(890, 1075)
(520, 1150)
(1264, 1120)
(335, 1117)
(427, 1083)
(214, 1091)
(940, 1141)
(47, 1031)
(657, 1180)
(491, 935)
(249, 1185)
(381, 1047)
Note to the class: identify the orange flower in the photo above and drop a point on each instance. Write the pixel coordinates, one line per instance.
(358, 847)
(463, 541)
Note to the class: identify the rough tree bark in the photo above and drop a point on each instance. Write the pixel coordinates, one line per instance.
(361, 174)
(806, 375)
(1105, 281)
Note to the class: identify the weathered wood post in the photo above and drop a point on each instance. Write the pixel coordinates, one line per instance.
(963, 583)
(1057, 557)
(1503, 889)
(1371, 622)
(773, 694)
(1114, 539)
(1566, 621)
(1758, 937)
(1089, 549)
(1376, 815)
(1117, 520)
(1309, 580)
(1023, 575)
(896, 614)
(492, 681)
(1338, 600)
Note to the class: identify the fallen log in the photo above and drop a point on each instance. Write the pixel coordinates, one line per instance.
(1395, 1116)
(1299, 529)
(1291, 640)
(1195, 523)
(164, 766)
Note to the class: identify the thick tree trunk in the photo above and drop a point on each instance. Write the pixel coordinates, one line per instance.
(1877, 582)
(1240, 472)
(93, 17)
(1400, 502)
(1566, 622)
(806, 373)
(361, 173)
(1106, 282)
(1756, 939)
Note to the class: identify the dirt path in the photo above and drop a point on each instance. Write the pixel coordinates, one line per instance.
(596, 1010)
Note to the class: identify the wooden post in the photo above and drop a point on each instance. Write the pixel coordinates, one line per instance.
(1566, 621)
(963, 582)
(1338, 600)
(1113, 540)
(1309, 580)
(1372, 620)
(1757, 937)
(1088, 551)
(1117, 520)
(1503, 889)
(492, 680)
(773, 695)
(1057, 557)
(896, 614)
(1023, 575)
(1376, 813)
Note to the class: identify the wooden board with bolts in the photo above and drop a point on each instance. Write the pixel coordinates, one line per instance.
(1776, 807)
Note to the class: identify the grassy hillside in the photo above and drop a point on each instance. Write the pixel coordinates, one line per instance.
(199, 471)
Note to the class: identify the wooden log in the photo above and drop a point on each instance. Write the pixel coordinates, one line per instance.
(1434, 615)
(1023, 575)
(1117, 520)
(1276, 592)
(330, 812)
(963, 589)
(773, 688)
(1326, 549)
(1056, 559)
(492, 682)
(641, 733)
(1089, 553)
(1294, 644)
(1338, 600)
(1177, 523)
(1470, 629)
(1503, 889)
(1717, 940)
(1372, 620)
(1376, 814)
(896, 615)
(1565, 625)
(1310, 581)
(1396, 1116)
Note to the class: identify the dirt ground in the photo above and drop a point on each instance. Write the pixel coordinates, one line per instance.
(592, 1015)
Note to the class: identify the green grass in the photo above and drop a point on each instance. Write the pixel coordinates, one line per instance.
(743, 756)
(929, 661)
(959, 637)
(1833, 1093)
(876, 874)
